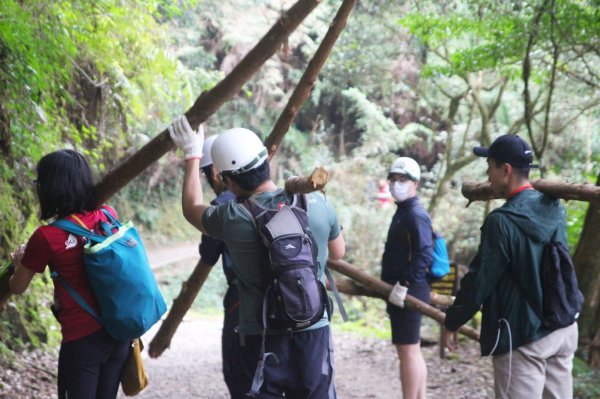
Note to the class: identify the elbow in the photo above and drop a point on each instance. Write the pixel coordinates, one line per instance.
(16, 288)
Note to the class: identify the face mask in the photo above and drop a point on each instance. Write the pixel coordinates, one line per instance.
(400, 190)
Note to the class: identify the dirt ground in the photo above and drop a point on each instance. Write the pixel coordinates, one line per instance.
(191, 368)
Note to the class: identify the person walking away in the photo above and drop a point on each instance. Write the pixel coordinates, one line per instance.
(210, 250)
(407, 255)
(302, 365)
(90, 360)
(504, 281)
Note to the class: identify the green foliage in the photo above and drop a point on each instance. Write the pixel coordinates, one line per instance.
(585, 380)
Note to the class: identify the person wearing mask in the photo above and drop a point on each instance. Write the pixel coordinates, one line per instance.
(504, 281)
(300, 365)
(407, 255)
(90, 361)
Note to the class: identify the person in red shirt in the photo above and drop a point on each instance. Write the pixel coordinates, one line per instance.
(90, 361)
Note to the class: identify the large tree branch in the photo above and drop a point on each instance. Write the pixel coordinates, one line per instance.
(307, 81)
(384, 289)
(210, 101)
(316, 181)
(475, 191)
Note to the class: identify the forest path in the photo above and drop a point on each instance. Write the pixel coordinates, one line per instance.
(191, 367)
(364, 367)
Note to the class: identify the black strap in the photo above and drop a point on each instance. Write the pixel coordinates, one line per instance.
(336, 294)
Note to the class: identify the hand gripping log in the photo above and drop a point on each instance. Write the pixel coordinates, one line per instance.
(350, 287)
(383, 289)
(206, 105)
(316, 181)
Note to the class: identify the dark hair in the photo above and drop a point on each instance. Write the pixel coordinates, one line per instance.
(522, 173)
(207, 170)
(253, 178)
(65, 184)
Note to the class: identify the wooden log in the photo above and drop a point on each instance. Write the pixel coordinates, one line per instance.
(307, 81)
(384, 289)
(209, 102)
(351, 287)
(317, 181)
(181, 304)
(479, 191)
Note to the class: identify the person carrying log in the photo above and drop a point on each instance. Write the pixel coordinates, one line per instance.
(210, 250)
(504, 281)
(408, 254)
(295, 363)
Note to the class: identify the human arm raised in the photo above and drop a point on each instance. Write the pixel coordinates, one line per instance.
(191, 143)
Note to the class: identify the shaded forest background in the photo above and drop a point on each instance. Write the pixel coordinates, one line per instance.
(426, 79)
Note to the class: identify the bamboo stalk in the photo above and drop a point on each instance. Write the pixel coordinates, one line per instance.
(382, 288)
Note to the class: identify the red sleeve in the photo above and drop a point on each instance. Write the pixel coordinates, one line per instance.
(37, 253)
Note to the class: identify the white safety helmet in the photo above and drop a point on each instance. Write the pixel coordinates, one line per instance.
(406, 166)
(206, 158)
(238, 150)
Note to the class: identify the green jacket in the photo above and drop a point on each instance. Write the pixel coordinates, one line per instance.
(504, 278)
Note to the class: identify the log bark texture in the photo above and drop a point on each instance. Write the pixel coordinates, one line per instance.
(479, 191)
(181, 304)
(317, 181)
(209, 102)
(351, 287)
(587, 266)
(318, 178)
(307, 81)
(384, 289)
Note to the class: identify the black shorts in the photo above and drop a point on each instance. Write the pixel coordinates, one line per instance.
(305, 368)
(406, 323)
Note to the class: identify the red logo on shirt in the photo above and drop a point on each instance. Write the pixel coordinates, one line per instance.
(280, 205)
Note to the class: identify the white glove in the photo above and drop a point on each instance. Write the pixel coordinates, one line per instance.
(398, 295)
(185, 138)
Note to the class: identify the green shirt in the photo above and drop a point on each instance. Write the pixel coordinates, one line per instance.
(231, 224)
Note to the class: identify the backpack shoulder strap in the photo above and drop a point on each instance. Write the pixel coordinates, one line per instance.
(336, 294)
(75, 296)
(76, 229)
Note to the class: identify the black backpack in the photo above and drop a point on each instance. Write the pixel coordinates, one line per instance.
(295, 298)
(561, 298)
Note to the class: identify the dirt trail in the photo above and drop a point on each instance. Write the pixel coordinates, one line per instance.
(191, 367)
(365, 367)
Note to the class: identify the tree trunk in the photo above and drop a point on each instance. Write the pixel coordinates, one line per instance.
(315, 181)
(474, 191)
(181, 304)
(210, 101)
(307, 81)
(351, 287)
(587, 267)
(384, 289)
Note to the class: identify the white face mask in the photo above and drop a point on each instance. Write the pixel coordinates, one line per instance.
(401, 190)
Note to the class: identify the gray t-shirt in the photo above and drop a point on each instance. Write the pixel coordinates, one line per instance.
(232, 224)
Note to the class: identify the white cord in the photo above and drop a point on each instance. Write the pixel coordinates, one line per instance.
(505, 393)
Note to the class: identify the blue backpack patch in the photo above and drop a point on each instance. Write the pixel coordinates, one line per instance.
(441, 263)
(120, 276)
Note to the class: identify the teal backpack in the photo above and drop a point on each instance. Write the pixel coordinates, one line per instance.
(440, 266)
(120, 276)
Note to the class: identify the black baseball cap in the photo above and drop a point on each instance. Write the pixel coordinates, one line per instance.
(509, 149)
